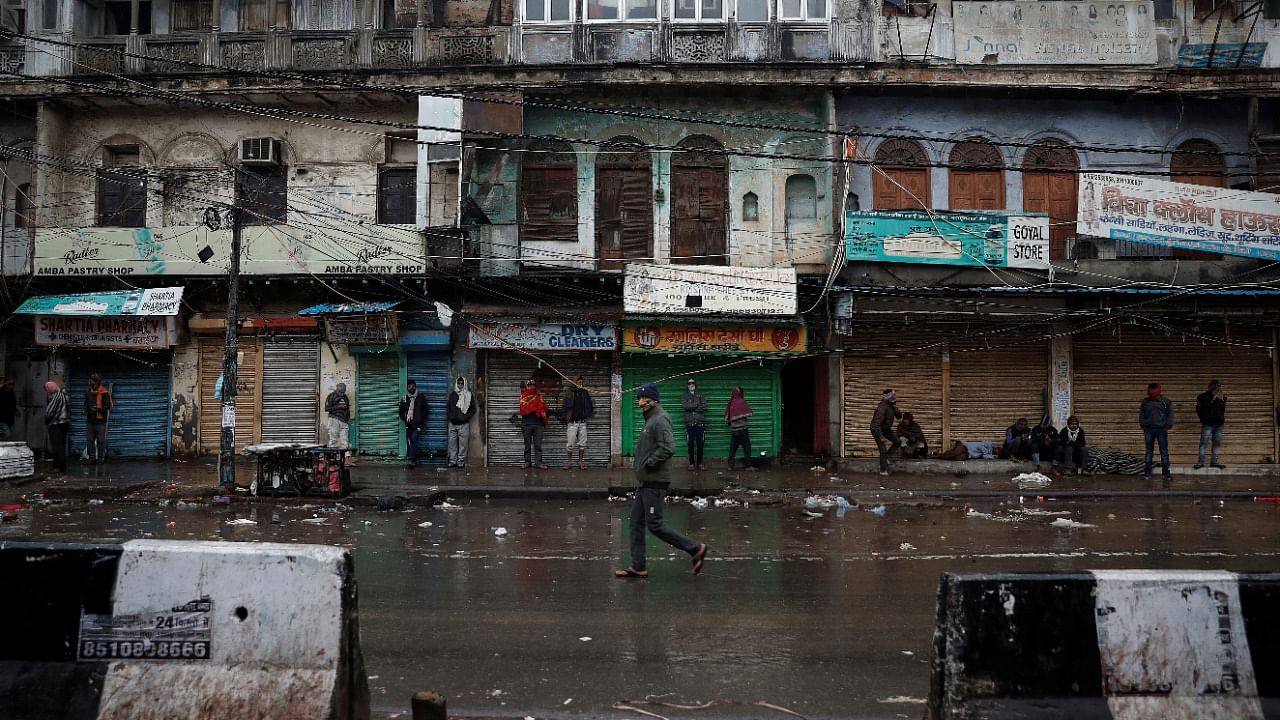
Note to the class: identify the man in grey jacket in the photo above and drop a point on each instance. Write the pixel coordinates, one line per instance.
(654, 447)
(695, 424)
(1156, 418)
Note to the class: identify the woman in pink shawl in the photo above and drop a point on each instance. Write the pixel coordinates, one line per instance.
(738, 415)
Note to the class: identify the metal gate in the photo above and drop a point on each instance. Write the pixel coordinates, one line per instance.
(761, 386)
(991, 388)
(211, 355)
(379, 430)
(140, 383)
(430, 370)
(915, 374)
(290, 389)
(504, 373)
(1110, 373)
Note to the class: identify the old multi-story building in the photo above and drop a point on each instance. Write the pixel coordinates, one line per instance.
(629, 191)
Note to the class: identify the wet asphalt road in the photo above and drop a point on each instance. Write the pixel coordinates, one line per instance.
(826, 616)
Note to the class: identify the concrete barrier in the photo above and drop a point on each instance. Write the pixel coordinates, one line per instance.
(159, 629)
(1128, 645)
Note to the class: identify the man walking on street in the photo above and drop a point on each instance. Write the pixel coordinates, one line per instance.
(338, 405)
(695, 424)
(882, 427)
(1156, 418)
(654, 447)
(460, 411)
(8, 408)
(57, 418)
(577, 410)
(97, 410)
(413, 411)
(1211, 408)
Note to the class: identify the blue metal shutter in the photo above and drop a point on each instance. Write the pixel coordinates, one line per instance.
(378, 427)
(431, 371)
(140, 384)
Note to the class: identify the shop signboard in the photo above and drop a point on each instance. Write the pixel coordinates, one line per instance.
(948, 238)
(1151, 211)
(714, 340)
(336, 248)
(120, 332)
(143, 301)
(708, 289)
(528, 335)
(1055, 33)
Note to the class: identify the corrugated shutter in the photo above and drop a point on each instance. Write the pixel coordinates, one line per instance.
(1111, 373)
(139, 426)
(430, 370)
(991, 388)
(762, 386)
(505, 371)
(290, 387)
(378, 427)
(915, 374)
(211, 351)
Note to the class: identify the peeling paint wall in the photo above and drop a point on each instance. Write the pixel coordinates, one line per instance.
(186, 398)
(337, 365)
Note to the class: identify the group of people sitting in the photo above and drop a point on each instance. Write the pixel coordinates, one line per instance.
(1065, 447)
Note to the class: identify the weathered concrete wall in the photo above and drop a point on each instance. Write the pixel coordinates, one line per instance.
(337, 365)
(186, 398)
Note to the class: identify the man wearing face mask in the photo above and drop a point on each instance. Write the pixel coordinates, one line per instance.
(654, 447)
(460, 411)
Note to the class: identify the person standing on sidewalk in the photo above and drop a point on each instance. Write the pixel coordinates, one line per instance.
(338, 406)
(578, 409)
(654, 448)
(57, 418)
(695, 424)
(8, 408)
(413, 411)
(1211, 408)
(460, 411)
(738, 415)
(533, 424)
(882, 427)
(97, 410)
(1155, 415)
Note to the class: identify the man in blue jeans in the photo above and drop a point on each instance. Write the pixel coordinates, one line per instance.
(1156, 418)
(1211, 408)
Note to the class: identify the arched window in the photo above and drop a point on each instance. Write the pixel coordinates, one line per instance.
(1198, 162)
(750, 207)
(624, 203)
(549, 193)
(1049, 174)
(977, 176)
(699, 202)
(900, 176)
(802, 198)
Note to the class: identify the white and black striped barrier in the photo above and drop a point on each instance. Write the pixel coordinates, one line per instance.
(1113, 644)
(152, 629)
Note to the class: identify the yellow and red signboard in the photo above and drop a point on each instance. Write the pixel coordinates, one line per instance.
(714, 340)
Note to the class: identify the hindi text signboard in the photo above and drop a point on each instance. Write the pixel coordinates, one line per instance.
(708, 289)
(115, 331)
(713, 340)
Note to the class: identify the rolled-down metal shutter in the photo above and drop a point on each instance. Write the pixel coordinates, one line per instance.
(378, 427)
(211, 352)
(290, 387)
(761, 385)
(140, 425)
(1111, 373)
(430, 370)
(916, 375)
(991, 388)
(505, 371)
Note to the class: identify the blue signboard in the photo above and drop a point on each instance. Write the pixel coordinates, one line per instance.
(1221, 55)
(991, 239)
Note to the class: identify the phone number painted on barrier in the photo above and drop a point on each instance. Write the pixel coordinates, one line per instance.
(182, 632)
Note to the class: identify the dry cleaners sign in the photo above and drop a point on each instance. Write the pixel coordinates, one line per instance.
(703, 290)
(524, 335)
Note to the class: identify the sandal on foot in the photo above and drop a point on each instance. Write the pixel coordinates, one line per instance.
(631, 573)
(699, 556)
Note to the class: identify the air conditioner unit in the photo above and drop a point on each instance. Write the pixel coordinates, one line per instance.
(260, 151)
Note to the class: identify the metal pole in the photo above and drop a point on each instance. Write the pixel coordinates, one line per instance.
(227, 450)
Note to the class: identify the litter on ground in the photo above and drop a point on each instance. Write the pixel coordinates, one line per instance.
(700, 503)
(1032, 481)
(1070, 524)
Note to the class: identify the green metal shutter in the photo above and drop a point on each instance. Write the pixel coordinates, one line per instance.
(378, 429)
(761, 384)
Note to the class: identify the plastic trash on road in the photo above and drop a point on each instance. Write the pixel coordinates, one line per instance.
(815, 502)
(701, 503)
(500, 532)
(877, 510)
(242, 521)
(1066, 524)
(1032, 481)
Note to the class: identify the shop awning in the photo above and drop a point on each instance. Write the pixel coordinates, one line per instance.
(349, 308)
(140, 302)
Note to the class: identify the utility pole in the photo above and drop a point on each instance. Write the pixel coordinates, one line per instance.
(227, 450)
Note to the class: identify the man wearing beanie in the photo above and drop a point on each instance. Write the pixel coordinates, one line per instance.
(654, 448)
(1211, 408)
